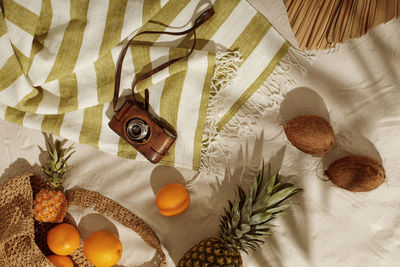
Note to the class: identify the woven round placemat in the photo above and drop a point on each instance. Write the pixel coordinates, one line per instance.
(23, 240)
(322, 24)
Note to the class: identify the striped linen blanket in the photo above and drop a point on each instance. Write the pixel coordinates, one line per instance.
(58, 61)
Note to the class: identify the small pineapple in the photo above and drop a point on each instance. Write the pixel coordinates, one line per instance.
(243, 226)
(50, 204)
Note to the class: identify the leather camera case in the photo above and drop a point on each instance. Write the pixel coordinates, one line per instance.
(156, 146)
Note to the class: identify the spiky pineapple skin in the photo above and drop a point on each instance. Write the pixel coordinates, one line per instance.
(211, 252)
(244, 224)
(50, 205)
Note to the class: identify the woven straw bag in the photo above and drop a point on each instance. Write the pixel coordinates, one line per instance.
(23, 240)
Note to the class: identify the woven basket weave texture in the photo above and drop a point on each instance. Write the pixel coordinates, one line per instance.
(23, 240)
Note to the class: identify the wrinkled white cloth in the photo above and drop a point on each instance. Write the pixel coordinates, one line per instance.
(357, 85)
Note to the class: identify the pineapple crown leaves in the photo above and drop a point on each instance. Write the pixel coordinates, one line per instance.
(248, 218)
(57, 166)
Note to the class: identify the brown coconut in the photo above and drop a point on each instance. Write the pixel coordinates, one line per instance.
(356, 173)
(310, 134)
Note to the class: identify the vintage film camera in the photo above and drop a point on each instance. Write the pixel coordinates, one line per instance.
(132, 121)
(142, 130)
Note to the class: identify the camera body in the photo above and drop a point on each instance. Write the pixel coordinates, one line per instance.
(142, 130)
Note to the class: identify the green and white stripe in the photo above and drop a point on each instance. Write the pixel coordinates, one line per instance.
(57, 66)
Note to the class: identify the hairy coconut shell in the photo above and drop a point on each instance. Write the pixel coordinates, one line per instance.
(310, 134)
(356, 173)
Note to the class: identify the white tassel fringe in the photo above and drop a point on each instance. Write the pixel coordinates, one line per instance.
(217, 147)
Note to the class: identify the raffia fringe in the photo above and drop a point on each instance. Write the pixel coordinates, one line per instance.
(217, 146)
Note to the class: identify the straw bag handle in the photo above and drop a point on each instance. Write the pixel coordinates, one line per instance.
(108, 207)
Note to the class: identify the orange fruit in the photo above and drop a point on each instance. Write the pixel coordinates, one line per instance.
(63, 239)
(60, 261)
(172, 199)
(102, 248)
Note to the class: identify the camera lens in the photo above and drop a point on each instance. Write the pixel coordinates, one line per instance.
(138, 130)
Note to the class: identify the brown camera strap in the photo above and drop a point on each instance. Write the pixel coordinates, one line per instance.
(199, 21)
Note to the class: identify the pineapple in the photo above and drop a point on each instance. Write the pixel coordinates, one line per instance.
(50, 204)
(243, 226)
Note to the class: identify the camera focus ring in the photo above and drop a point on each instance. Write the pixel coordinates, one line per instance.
(138, 130)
